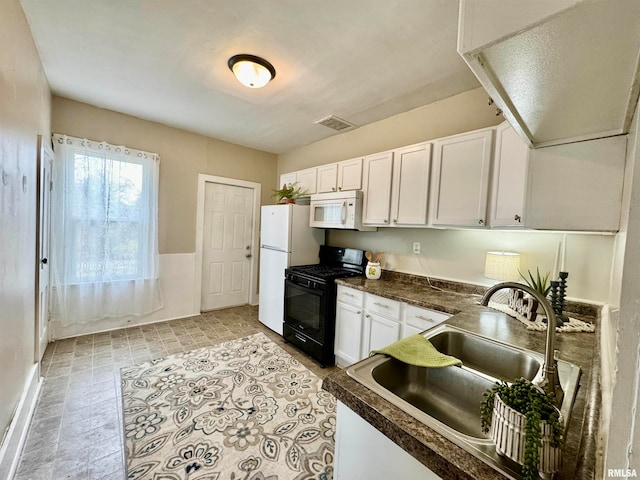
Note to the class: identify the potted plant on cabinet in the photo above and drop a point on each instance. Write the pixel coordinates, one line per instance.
(288, 193)
(525, 425)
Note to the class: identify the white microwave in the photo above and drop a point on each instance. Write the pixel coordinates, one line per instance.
(342, 210)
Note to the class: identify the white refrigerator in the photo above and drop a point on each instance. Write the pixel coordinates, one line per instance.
(286, 239)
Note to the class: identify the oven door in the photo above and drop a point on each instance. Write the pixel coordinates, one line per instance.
(305, 310)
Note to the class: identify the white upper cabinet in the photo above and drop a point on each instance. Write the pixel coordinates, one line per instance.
(561, 70)
(576, 186)
(327, 176)
(376, 183)
(460, 179)
(306, 180)
(287, 178)
(410, 189)
(396, 186)
(350, 174)
(340, 176)
(509, 178)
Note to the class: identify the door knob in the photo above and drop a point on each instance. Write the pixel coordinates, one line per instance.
(248, 255)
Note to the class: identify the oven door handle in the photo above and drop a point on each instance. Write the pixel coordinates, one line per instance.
(311, 291)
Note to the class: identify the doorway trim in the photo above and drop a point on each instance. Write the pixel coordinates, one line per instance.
(44, 150)
(203, 179)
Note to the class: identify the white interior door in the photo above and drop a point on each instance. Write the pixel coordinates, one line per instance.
(227, 249)
(45, 159)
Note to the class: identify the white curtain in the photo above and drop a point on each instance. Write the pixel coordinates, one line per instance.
(104, 231)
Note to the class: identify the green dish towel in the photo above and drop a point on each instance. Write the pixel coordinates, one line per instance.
(417, 350)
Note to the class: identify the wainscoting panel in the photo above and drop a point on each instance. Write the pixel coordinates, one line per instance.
(177, 273)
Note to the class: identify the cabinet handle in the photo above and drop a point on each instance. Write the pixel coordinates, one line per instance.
(386, 221)
(348, 294)
(366, 315)
(424, 318)
(333, 189)
(339, 188)
(381, 305)
(395, 221)
(359, 312)
(517, 218)
(480, 222)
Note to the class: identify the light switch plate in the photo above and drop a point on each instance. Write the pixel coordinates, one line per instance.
(416, 248)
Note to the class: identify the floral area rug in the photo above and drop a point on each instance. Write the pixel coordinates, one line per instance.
(241, 410)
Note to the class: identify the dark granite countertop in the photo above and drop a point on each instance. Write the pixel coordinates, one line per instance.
(434, 450)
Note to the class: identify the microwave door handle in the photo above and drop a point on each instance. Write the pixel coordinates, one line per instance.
(343, 216)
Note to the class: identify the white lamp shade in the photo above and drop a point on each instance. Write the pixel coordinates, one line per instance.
(503, 266)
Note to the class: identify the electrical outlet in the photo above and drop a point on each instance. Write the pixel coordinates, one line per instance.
(416, 248)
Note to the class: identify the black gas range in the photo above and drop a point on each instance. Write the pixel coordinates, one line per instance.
(310, 300)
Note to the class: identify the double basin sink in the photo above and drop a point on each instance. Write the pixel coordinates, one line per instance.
(448, 399)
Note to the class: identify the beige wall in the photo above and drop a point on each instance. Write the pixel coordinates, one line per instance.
(183, 156)
(460, 113)
(25, 105)
(454, 254)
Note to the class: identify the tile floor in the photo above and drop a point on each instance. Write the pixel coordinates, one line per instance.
(76, 431)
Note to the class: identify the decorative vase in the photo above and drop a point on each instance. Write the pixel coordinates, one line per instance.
(508, 433)
(373, 270)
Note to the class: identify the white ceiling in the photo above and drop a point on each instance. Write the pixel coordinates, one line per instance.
(166, 61)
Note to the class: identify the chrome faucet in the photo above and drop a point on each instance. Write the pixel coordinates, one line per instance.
(550, 382)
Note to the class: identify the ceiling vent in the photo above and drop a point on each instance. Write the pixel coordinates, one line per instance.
(335, 123)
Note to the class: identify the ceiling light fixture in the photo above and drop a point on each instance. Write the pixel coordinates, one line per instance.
(251, 71)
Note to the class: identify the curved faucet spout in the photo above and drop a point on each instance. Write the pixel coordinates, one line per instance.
(550, 381)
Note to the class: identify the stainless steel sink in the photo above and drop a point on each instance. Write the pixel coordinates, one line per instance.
(450, 395)
(448, 399)
(483, 355)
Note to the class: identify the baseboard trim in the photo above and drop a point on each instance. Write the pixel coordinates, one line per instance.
(149, 322)
(17, 433)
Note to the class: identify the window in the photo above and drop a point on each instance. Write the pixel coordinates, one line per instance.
(104, 229)
(108, 219)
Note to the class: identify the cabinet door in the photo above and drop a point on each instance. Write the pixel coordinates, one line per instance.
(307, 180)
(350, 174)
(287, 178)
(327, 175)
(509, 178)
(460, 181)
(377, 187)
(410, 193)
(378, 332)
(348, 334)
(577, 186)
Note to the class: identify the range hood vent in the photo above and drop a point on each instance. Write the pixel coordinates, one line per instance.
(335, 123)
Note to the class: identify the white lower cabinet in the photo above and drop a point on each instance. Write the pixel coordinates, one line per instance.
(349, 316)
(381, 323)
(364, 453)
(378, 332)
(366, 322)
(417, 319)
